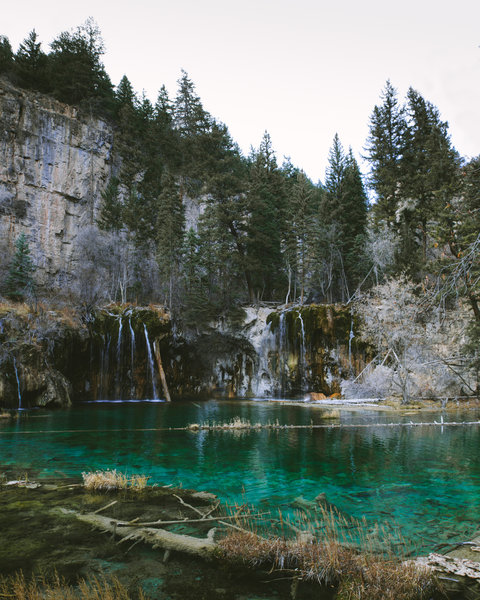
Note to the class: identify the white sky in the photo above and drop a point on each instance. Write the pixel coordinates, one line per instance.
(300, 69)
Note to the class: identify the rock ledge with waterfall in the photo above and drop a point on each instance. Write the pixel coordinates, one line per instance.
(56, 357)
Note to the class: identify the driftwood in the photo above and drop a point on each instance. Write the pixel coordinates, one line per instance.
(158, 538)
(152, 533)
(158, 357)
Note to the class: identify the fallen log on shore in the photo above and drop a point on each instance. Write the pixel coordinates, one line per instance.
(157, 538)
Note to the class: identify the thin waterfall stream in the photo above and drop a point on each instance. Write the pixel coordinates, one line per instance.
(132, 358)
(118, 391)
(150, 363)
(303, 353)
(18, 384)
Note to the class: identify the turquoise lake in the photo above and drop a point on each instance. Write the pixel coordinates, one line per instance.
(422, 481)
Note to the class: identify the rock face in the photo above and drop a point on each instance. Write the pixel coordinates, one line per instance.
(53, 357)
(287, 352)
(41, 353)
(54, 164)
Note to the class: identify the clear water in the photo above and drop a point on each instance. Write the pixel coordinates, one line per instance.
(425, 481)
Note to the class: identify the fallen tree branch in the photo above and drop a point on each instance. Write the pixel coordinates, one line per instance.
(198, 511)
(105, 507)
(180, 521)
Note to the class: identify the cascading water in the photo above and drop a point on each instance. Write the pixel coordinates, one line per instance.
(282, 351)
(106, 367)
(150, 363)
(132, 359)
(118, 390)
(102, 365)
(18, 384)
(303, 353)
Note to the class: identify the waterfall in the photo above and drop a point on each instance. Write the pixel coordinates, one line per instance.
(132, 358)
(18, 384)
(303, 353)
(102, 366)
(119, 341)
(350, 338)
(106, 366)
(118, 387)
(150, 363)
(282, 351)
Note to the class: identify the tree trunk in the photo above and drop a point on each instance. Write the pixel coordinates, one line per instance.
(158, 357)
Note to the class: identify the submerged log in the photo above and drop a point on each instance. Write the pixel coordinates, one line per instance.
(157, 538)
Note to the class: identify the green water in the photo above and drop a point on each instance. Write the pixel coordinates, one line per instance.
(423, 481)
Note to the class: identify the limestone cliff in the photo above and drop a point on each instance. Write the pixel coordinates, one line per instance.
(54, 164)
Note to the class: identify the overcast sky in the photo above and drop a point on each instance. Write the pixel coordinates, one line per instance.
(300, 69)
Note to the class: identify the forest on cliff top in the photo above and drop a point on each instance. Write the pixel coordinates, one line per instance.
(264, 232)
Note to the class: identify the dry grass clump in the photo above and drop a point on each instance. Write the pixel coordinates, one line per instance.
(4, 414)
(235, 424)
(16, 586)
(21, 309)
(356, 575)
(389, 580)
(113, 480)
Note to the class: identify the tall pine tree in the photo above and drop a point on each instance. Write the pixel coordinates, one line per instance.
(19, 283)
(266, 206)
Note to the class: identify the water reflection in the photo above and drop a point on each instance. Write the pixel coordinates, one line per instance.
(422, 478)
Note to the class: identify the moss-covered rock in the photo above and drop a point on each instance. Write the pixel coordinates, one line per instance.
(317, 346)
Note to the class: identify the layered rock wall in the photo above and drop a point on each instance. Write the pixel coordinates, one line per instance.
(54, 164)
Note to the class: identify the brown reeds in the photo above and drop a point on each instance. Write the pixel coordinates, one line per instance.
(55, 588)
(335, 552)
(112, 480)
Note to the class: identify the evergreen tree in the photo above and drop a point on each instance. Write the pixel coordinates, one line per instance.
(77, 73)
(111, 215)
(19, 282)
(429, 168)
(224, 173)
(162, 129)
(196, 306)
(189, 116)
(31, 64)
(192, 124)
(385, 147)
(414, 170)
(125, 95)
(331, 207)
(459, 229)
(129, 143)
(6, 55)
(266, 207)
(353, 223)
(344, 212)
(300, 235)
(170, 226)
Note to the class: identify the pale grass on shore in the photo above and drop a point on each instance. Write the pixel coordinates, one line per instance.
(113, 480)
(41, 588)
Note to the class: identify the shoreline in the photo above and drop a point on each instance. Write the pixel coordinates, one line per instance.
(64, 512)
